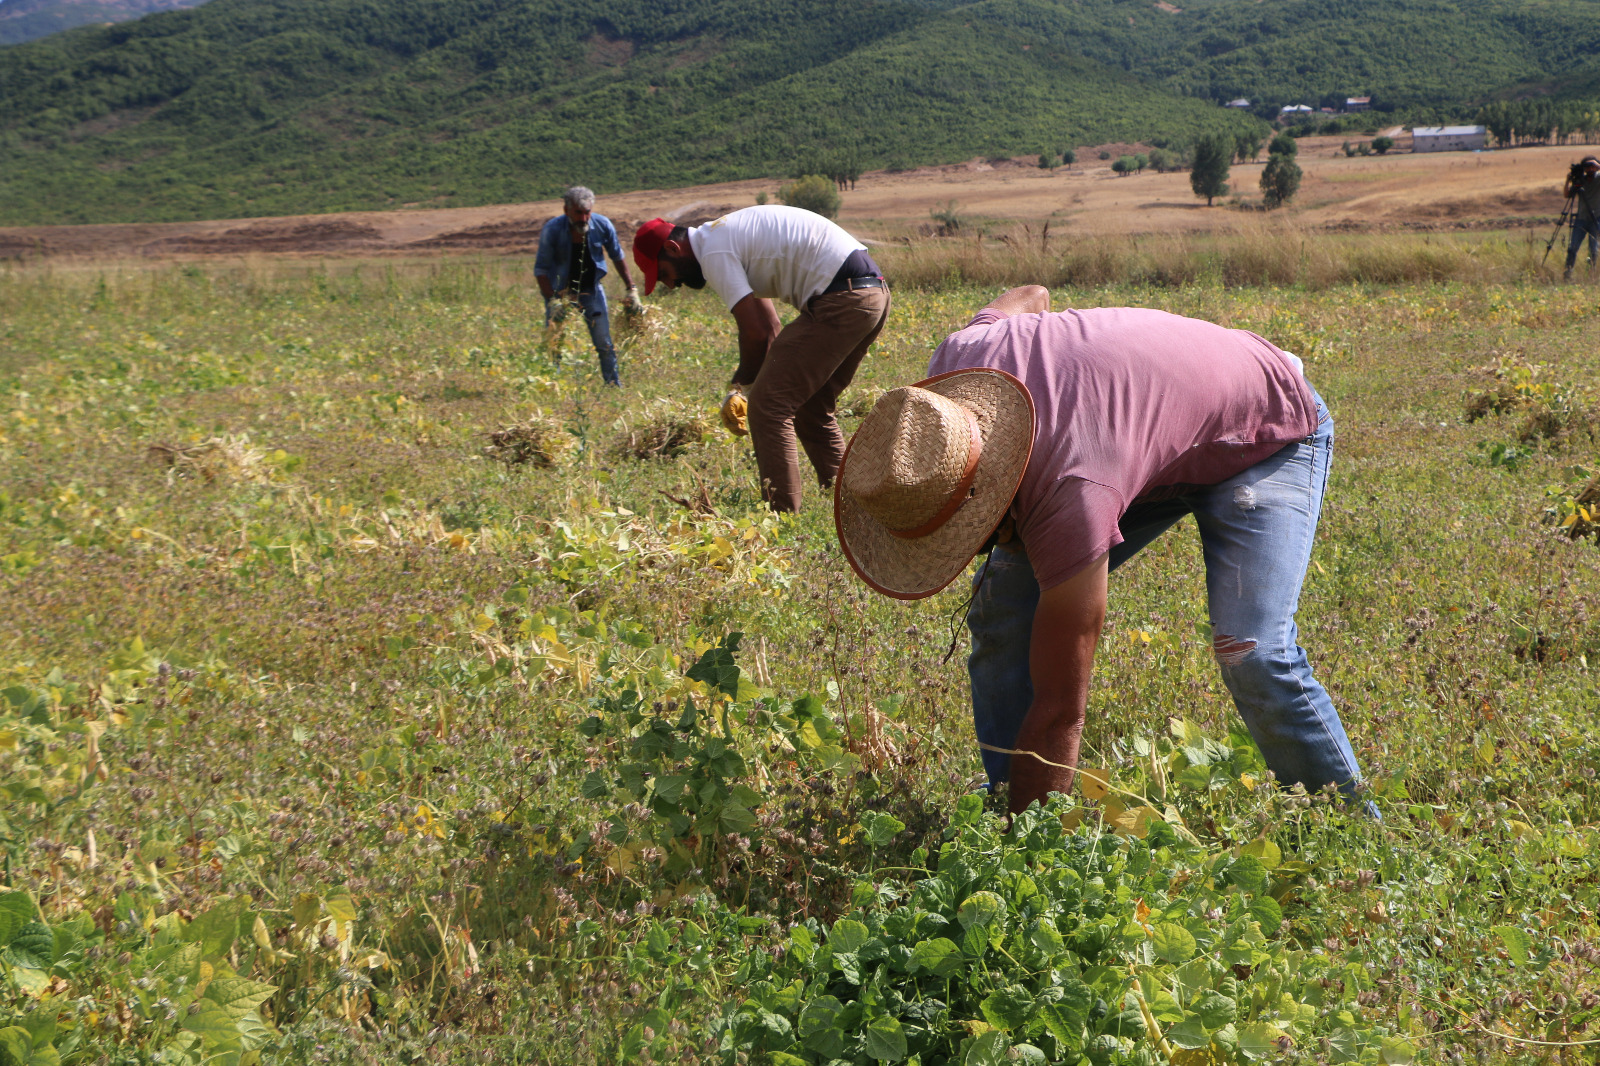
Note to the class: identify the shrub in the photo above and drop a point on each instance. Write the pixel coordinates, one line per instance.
(948, 218)
(1126, 164)
(761, 197)
(814, 192)
(1283, 144)
(1382, 144)
(1068, 157)
(1162, 160)
(1105, 155)
(1280, 179)
(1048, 161)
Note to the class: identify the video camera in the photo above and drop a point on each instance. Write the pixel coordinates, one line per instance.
(1578, 175)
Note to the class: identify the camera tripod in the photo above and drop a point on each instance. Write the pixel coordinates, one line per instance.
(1566, 213)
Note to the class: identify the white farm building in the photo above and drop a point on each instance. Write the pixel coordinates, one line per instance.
(1448, 138)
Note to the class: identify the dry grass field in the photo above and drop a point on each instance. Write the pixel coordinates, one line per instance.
(1430, 192)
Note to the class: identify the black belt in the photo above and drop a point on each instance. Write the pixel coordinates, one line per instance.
(871, 281)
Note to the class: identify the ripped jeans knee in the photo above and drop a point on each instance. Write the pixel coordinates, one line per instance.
(1231, 650)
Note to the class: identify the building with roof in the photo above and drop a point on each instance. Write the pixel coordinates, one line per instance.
(1296, 112)
(1240, 103)
(1449, 138)
(1358, 103)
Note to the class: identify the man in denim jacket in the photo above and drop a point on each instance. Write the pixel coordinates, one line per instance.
(572, 270)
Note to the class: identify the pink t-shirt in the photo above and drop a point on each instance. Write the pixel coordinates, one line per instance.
(1130, 404)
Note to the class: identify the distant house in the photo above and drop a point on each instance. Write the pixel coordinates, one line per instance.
(1240, 103)
(1358, 103)
(1296, 112)
(1448, 138)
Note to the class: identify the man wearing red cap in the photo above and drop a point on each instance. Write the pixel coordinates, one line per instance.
(793, 374)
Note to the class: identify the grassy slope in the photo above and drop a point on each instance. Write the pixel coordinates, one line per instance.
(263, 106)
(343, 654)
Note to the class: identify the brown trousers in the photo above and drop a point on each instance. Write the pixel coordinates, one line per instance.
(807, 367)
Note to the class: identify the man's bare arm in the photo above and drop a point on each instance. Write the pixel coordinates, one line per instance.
(1066, 631)
(1026, 300)
(758, 328)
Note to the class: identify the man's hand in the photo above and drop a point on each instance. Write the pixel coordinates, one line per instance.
(631, 301)
(1066, 631)
(758, 328)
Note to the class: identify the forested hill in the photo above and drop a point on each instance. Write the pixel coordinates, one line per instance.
(26, 20)
(252, 107)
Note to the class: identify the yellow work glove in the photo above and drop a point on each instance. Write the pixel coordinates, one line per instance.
(735, 410)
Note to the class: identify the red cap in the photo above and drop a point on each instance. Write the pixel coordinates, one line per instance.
(647, 242)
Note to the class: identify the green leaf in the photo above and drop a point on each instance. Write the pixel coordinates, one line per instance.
(16, 911)
(1396, 1051)
(989, 1049)
(1249, 874)
(716, 667)
(217, 1029)
(939, 956)
(980, 909)
(1214, 1009)
(236, 996)
(1008, 1008)
(33, 947)
(1173, 943)
(1189, 1034)
(1266, 910)
(1046, 937)
(1064, 1009)
(886, 1040)
(1517, 942)
(880, 828)
(819, 1027)
(1259, 1041)
(847, 935)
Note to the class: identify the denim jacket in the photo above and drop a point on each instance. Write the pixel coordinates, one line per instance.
(555, 249)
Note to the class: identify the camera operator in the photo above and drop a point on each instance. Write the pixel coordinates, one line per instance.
(1583, 186)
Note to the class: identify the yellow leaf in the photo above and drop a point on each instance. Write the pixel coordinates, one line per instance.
(1247, 780)
(1522, 830)
(1094, 783)
(1486, 753)
(1265, 850)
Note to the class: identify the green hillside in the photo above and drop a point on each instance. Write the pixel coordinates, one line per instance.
(251, 107)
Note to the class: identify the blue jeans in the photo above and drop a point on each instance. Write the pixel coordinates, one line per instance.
(595, 315)
(1256, 530)
(1582, 228)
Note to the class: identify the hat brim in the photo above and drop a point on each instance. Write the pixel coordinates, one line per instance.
(909, 569)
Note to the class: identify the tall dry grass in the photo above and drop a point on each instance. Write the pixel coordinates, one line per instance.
(1254, 255)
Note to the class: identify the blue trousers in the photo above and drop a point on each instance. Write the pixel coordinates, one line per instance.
(1582, 228)
(1256, 532)
(596, 315)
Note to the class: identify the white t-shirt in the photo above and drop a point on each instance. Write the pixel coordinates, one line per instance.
(777, 253)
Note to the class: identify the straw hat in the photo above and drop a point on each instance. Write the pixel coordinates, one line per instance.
(929, 475)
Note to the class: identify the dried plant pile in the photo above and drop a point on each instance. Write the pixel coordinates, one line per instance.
(670, 433)
(232, 459)
(537, 441)
(1554, 412)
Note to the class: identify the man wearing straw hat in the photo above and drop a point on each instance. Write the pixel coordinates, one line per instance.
(1070, 441)
(794, 373)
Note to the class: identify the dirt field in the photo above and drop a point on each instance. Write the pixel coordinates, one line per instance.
(1442, 191)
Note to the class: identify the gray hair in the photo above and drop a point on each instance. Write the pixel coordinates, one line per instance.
(580, 197)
